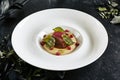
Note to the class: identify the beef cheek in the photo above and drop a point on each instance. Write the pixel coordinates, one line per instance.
(59, 42)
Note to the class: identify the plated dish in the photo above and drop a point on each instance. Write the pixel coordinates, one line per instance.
(32, 35)
(59, 42)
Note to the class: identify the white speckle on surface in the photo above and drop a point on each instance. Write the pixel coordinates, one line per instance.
(116, 52)
(49, 2)
(103, 79)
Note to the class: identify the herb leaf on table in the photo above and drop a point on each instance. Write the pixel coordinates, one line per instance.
(14, 68)
(108, 9)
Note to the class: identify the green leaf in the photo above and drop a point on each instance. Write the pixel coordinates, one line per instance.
(102, 8)
(58, 29)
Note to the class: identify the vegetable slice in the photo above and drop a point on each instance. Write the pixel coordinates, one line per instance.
(67, 39)
(50, 41)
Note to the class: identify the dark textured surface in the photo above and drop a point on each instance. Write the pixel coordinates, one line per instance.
(107, 67)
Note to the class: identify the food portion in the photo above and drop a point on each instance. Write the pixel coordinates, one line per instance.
(59, 42)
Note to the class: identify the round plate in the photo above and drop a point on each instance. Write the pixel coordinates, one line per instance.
(28, 33)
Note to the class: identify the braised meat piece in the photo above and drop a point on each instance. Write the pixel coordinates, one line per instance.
(59, 42)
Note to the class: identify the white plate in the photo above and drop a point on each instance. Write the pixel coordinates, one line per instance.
(26, 36)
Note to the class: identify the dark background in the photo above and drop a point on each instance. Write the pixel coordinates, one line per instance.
(107, 67)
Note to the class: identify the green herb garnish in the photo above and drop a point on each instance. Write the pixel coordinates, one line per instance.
(58, 29)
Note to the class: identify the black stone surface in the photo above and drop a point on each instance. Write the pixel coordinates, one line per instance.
(107, 67)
